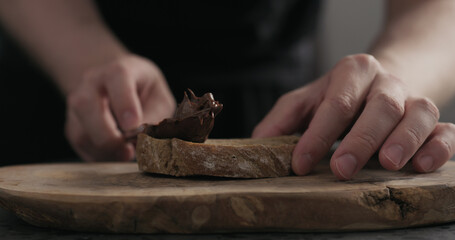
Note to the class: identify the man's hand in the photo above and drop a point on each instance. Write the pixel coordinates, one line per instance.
(108, 89)
(113, 98)
(384, 115)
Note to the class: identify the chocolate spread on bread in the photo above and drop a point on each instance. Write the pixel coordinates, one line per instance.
(193, 119)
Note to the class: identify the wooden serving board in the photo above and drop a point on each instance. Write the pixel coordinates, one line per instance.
(116, 197)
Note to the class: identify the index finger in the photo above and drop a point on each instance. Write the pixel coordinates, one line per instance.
(349, 84)
(123, 96)
(94, 115)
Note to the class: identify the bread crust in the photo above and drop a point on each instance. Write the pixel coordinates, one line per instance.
(236, 158)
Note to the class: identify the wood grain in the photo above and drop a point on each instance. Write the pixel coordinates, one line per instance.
(117, 197)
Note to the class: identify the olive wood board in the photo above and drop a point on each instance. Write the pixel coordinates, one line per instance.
(118, 198)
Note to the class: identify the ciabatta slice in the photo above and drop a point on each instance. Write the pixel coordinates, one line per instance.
(237, 158)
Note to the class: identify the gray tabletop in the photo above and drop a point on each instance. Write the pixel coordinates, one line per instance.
(13, 228)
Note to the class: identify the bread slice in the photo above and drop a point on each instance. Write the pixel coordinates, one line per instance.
(237, 158)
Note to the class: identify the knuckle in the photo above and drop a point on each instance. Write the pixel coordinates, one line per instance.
(367, 140)
(117, 70)
(299, 97)
(364, 61)
(450, 126)
(91, 78)
(428, 106)
(114, 70)
(444, 147)
(290, 99)
(292, 95)
(445, 126)
(283, 98)
(345, 104)
(392, 105)
(395, 80)
(414, 136)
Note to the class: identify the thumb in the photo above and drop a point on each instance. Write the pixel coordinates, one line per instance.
(288, 115)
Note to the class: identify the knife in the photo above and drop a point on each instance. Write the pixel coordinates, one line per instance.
(131, 135)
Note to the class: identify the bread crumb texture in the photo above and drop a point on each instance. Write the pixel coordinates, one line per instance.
(236, 158)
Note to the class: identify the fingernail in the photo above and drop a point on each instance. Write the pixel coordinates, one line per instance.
(346, 165)
(426, 163)
(303, 164)
(395, 154)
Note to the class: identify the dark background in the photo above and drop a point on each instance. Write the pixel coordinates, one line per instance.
(32, 111)
(247, 53)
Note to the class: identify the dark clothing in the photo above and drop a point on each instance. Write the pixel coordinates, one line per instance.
(247, 53)
(200, 39)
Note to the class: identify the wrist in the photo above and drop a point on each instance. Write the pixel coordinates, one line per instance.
(398, 66)
(389, 61)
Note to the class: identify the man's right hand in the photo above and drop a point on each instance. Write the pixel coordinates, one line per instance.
(108, 89)
(112, 98)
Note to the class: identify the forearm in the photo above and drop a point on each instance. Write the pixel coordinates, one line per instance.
(417, 45)
(66, 37)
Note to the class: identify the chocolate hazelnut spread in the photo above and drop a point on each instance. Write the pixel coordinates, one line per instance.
(193, 119)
